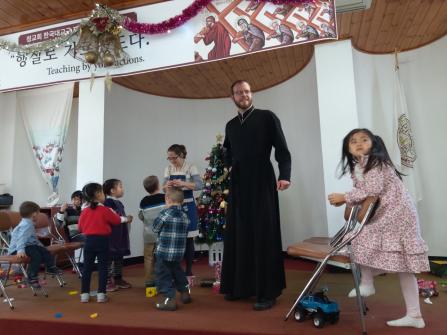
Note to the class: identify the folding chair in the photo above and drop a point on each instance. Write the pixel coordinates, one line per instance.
(7, 221)
(325, 250)
(60, 245)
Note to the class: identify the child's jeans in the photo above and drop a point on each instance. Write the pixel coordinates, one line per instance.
(96, 246)
(170, 277)
(38, 255)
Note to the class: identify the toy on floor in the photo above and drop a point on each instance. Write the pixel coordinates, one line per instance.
(216, 287)
(428, 288)
(191, 281)
(151, 292)
(318, 307)
(18, 280)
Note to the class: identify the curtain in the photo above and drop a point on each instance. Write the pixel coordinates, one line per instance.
(46, 115)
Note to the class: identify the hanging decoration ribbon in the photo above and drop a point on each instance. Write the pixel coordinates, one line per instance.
(98, 36)
(187, 14)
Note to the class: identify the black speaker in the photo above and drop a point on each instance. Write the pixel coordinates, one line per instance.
(6, 199)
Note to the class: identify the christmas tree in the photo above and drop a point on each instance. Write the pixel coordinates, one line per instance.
(212, 200)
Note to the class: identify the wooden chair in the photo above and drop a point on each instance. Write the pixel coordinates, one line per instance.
(325, 250)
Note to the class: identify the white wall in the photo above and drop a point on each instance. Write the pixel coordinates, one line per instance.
(423, 75)
(139, 128)
(7, 131)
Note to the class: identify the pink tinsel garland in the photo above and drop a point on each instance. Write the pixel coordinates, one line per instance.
(187, 14)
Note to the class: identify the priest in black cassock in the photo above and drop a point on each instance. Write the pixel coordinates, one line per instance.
(253, 261)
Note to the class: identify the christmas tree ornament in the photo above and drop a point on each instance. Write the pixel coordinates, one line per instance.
(216, 180)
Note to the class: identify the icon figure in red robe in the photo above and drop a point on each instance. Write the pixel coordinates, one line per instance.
(217, 33)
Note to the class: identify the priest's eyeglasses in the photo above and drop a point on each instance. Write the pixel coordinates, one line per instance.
(246, 92)
(173, 158)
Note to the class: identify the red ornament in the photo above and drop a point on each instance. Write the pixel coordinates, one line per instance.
(100, 23)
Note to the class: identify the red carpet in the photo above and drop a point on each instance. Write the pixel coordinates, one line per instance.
(130, 312)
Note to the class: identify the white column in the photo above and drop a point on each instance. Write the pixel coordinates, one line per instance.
(338, 115)
(90, 157)
(8, 112)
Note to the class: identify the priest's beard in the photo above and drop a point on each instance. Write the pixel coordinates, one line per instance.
(244, 104)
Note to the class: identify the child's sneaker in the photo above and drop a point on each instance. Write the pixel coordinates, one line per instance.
(101, 297)
(55, 271)
(111, 287)
(85, 297)
(185, 297)
(121, 283)
(167, 304)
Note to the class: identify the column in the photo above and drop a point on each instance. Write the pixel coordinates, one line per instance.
(338, 115)
(90, 151)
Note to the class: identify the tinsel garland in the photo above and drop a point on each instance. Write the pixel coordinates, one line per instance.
(40, 46)
(187, 14)
(128, 24)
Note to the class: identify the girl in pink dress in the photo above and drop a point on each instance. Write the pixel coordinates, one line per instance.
(391, 241)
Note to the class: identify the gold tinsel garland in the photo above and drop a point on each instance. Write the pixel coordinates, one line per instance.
(98, 38)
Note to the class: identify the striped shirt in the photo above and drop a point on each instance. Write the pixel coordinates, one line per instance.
(171, 225)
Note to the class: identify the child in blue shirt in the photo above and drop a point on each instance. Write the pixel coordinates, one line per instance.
(24, 242)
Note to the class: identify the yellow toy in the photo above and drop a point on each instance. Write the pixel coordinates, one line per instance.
(151, 292)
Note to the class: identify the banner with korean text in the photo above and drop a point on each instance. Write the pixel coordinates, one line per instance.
(225, 29)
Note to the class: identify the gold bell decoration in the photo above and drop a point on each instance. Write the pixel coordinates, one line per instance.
(91, 57)
(99, 37)
(108, 59)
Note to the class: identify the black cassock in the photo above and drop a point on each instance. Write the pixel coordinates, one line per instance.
(253, 262)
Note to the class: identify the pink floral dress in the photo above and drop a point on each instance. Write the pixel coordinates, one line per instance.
(392, 240)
